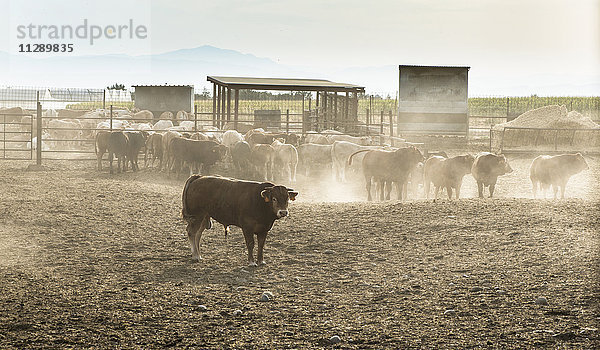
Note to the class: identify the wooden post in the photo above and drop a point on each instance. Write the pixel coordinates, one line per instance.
(316, 125)
(555, 140)
(346, 106)
(195, 117)
(368, 121)
(228, 105)
(287, 121)
(38, 136)
(325, 113)
(214, 98)
(111, 118)
(103, 98)
(381, 123)
(507, 109)
(223, 102)
(218, 116)
(391, 129)
(335, 110)
(236, 108)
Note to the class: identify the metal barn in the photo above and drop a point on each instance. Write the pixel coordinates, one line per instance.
(162, 98)
(433, 100)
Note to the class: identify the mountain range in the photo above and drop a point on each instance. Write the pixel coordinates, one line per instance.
(191, 66)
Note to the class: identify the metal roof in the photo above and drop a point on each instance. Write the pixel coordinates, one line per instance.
(424, 66)
(166, 85)
(283, 84)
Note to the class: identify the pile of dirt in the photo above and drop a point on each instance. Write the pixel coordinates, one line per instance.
(554, 116)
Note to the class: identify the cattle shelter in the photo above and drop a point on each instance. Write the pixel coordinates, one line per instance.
(433, 100)
(336, 103)
(162, 98)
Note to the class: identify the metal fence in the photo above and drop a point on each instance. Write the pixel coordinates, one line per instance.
(376, 116)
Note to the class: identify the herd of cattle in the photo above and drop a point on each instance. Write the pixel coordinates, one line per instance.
(267, 156)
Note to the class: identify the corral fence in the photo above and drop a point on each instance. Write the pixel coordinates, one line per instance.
(33, 132)
(547, 140)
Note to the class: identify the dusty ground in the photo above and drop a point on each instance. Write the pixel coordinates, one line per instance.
(93, 260)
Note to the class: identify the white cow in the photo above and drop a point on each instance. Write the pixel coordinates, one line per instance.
(231, 137)
(162, 125)
(144, 116)
(183, 115)
(142, 126)
(340, 152)
(178, 128)
(316, 139)
(362, 140)
(286, 159)
(188, 125)
(65, 131)
(166, 115)
(314, 157)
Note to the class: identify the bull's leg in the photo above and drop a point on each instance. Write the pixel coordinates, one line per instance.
(146, 157)
(534, 187)
(192, 228)
(562, 189)
(426, 187)
(492, 187)
(262, 237)
(368, 187)
(110, 161)
(249, 237)
(337, 172)
(293, 171)
(99, 156)
(449, 191)
(458, 186)
(388, 189)
(382, 190)
(480, 188)
(205, 223)
(555, 190)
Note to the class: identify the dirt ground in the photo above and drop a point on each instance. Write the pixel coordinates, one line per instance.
(93, 260)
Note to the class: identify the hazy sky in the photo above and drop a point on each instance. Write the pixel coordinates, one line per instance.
(551, 38)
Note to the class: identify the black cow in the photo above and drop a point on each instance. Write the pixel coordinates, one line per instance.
(118, 144)
(195, 153)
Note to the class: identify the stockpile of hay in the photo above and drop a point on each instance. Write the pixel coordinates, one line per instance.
(569, 137)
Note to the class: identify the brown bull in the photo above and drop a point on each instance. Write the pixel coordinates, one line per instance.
(252, 206)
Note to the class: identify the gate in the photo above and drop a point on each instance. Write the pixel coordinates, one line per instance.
(16, 136)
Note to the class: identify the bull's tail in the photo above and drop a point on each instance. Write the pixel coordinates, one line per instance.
(96, 145)
(184, 211)
(355, 153)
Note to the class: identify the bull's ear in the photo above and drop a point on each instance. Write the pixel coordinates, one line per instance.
(265, 194)
(292, 195)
